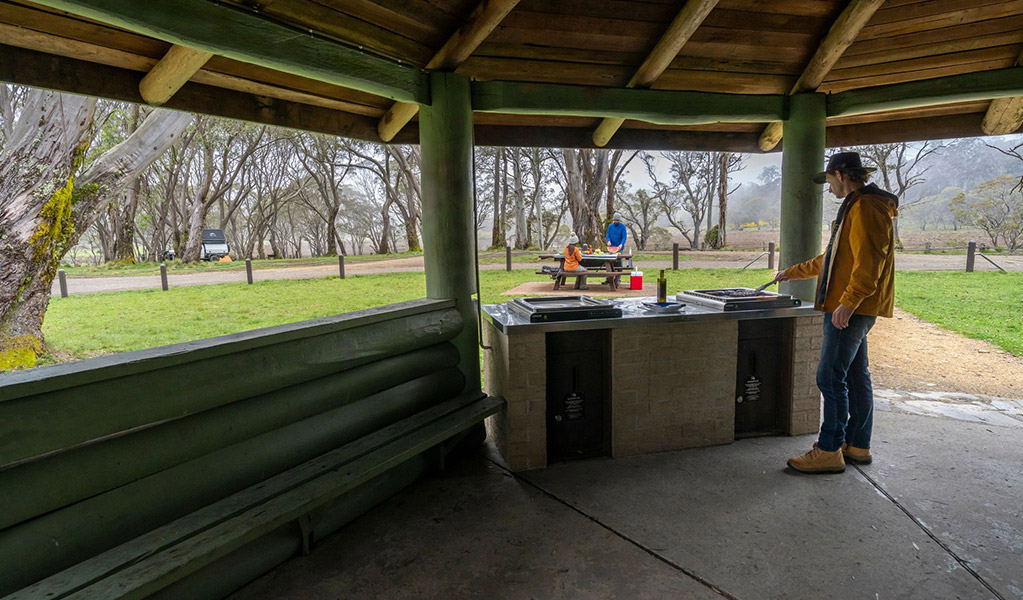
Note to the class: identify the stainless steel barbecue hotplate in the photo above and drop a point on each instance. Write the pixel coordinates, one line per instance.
(543, 309)
(729, 299)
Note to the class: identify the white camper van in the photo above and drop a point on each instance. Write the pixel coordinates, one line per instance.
(214, 245)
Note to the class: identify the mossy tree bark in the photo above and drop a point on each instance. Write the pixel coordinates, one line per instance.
(47, 201)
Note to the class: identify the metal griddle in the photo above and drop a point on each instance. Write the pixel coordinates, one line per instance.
(543, 309)
(733, 299)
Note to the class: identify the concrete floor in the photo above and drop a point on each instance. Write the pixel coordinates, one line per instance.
(937, 516)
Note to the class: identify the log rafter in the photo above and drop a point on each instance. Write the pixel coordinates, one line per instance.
(682, 27)
(487, 15)
(171, 72)
(1004, 115)
(843, 32)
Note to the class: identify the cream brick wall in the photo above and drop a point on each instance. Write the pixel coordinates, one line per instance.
(672, 386)
(517, 372)
(806, 352)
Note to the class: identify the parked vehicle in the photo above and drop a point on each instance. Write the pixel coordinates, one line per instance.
(214, 245)
(167, 255)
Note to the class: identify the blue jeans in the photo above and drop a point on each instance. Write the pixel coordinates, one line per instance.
(844, 380)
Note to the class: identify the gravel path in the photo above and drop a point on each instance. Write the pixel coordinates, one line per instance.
(706, 260)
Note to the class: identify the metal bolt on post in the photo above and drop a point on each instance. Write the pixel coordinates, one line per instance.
(507, 258)
(163, 276)
(248, 270)
(971, 256)
(674, 257)
(341, 265)
(770, 255)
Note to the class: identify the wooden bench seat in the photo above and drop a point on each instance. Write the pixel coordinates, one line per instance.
(152, 561)
(580, 276)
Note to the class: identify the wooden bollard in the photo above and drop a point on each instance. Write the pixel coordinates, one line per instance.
(971, 255)
(248, 270)
(163, 276)
(770, 255)
(341, 265)
(674, 256)
(507, 258)
(63, 282)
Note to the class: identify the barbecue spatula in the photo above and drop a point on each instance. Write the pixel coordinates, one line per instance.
(763, 287)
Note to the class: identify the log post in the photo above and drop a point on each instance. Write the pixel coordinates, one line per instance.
(971, 256)
(248, 270)
(163, 277)
(63, 282)
(446, 142)
(770, 255)
(341, 265)
(507, 258)
(674, 256)
(801, 201)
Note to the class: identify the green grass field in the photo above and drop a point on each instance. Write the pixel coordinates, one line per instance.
(112, 269)
(982, 305)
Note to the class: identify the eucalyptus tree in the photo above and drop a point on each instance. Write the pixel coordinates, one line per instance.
(51, 192)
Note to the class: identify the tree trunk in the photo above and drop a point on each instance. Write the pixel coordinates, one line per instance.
(521, 229)
(124, 235)
(722, 199)
(45, 207)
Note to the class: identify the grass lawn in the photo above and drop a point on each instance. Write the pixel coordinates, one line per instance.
(982, 305)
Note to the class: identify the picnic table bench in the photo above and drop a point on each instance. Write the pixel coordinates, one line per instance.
(606, 266)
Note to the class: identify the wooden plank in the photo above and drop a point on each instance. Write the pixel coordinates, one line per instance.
(945, 19)
(925, 63)
(929, 44)
(675, 108)
(144, 578)
(419, 21)
(846, 85)
(786, 7)
(235, 34)
(626, 139)
(915, 130)
(104, 565)
(313, 17)
(909, 10)
(171, 72)
(679, 31)
(961, 108)
(709, 81)
(483, 20)
(1000, 83)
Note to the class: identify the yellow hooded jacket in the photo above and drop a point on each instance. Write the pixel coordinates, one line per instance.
(862, 273)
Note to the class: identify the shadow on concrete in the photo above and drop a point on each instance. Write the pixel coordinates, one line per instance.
(936, 516)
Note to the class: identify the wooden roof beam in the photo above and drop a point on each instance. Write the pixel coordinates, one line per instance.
(487, 15)
(662, 107)
(681, 29)
(235, 33)
(1005, 115)
(843, 32)
(173, 71)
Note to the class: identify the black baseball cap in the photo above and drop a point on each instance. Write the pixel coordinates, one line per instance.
(842, 161)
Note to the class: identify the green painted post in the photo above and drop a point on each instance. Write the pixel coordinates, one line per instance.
(801, 202)
(446, 141)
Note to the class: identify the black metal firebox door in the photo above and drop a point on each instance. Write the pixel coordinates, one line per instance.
(577, 392)
(762, 373)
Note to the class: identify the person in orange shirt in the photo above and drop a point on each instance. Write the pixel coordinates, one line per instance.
(855, 285)
(572, 258)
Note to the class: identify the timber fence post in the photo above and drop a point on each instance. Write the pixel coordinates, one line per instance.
(770, 255)
(971, 256)
(248, 270)
(163, 276)
(674, 256)
(507, 258)
(341, 265)
(63, 282)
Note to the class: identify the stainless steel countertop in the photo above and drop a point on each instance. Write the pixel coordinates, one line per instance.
(633, 315)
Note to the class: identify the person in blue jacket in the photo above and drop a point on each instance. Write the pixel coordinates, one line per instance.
(616, 234)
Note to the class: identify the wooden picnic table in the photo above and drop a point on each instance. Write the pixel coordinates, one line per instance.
(598, 265)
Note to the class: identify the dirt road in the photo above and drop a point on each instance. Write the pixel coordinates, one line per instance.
(691, 260)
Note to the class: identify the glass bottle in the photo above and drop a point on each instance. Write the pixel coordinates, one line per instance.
(662, 288)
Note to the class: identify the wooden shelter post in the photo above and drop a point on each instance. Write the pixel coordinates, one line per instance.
(801, 202)
(446, 141)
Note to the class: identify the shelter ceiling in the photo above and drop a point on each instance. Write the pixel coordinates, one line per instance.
(740, 47)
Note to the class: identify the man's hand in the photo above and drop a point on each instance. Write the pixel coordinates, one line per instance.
(780, 276)
(840, 318)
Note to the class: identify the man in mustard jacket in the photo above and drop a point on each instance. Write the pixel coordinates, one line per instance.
(856, 284)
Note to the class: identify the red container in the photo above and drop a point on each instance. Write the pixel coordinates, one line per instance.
(636, 280)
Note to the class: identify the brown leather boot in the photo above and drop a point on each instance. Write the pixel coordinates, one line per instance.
(818, 461)
(857, 455)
